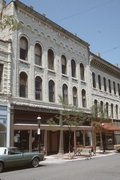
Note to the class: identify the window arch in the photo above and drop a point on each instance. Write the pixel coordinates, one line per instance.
(73, 68)
(63, 64)
(23, 48)
(65, 93)
(83, 98)
(75, 100)
(99, 82)
(93, 80)
(82, 73)
(38, 54)
(38, 88)
(51, 91)
(50, 59)
(23, 78)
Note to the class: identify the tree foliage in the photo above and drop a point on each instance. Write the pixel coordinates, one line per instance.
(10, 22)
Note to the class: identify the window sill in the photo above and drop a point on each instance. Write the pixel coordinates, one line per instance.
(51, 71)
(38, 66)
(64, 76)
(74, 79)
(24, 61)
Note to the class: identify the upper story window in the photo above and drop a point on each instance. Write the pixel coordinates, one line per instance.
(118, 89)
(63, 64)
(65, 93)
(23, 48)
(38, 54)
(109, 85)
(38, 88)
(82, 73)
(73, 68)
(51, 91)
(84, 104)
(116, 111)
(1, 76)
(75, 100)
(93, 80)
(114, 87)
(50, 59)
(99, 82)
(112, 111)
(107, 109)
(104, 82)
(23, 85)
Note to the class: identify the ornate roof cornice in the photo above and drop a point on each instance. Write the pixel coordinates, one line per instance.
(103, 65)
(48, 21)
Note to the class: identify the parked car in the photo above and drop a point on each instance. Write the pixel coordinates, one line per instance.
(117, 147)
(13, 157)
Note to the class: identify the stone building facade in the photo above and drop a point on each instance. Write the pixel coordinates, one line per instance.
(44, 61)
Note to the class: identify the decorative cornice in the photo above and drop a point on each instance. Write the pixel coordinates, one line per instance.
(48, 21)
(103, 65)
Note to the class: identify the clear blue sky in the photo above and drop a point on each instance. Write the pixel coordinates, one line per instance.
(95, 21)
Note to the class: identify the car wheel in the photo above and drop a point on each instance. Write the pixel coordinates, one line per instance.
(1, 167)
(35, 162)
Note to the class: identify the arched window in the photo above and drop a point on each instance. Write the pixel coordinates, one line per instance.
(65, 93)
(114, 87)
(104, 82)
(63, 64)
(50, 59)
(82, 75)
(75, 100)
(51, 91)
(99, 82)
(116, 111)
(95, 102)
(38, 88)
(38, 54)
(1, 76)
(23, 48)
(95, 108)
(109, 85)
(112, 111)
(107, 114)
(83, 98)
(23, 85)
(118, 89)
(73, 68)
(93, 80)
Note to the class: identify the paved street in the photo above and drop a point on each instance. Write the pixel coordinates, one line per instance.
(101, 168)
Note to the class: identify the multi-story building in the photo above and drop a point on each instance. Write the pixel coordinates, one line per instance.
(44, 61)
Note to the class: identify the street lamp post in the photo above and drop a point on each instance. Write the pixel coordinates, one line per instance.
(38, 131)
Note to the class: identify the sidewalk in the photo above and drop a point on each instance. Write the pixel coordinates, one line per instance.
(63, 158)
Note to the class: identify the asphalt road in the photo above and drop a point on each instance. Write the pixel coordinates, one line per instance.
(102, 168)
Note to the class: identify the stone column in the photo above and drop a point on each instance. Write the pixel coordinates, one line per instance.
(30, 140)
(61, 146)
(84, 138)
(12, 126)
(74, 139)
(45, 141)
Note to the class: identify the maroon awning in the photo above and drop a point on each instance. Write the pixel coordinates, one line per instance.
(110, 127)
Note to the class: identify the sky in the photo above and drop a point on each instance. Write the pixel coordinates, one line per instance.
(95, 21)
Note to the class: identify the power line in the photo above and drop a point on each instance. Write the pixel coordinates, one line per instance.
(85, 11)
